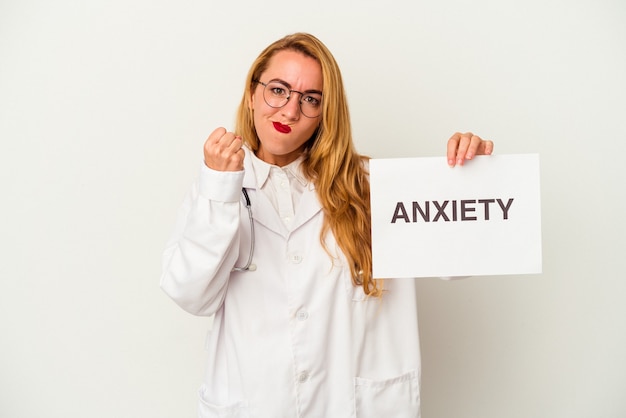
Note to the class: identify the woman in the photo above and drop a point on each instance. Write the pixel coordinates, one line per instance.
(301, 328)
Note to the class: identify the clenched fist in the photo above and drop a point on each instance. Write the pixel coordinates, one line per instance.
(222, 151)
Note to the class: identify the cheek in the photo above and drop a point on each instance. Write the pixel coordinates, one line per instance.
(314, 128)
(259, 107)
(257, 112)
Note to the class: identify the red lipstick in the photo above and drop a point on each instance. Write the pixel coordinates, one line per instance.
(285, 129)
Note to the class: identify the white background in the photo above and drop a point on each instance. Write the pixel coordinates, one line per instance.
(105, 105)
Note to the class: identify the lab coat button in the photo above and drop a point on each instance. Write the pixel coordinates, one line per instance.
(302, 315)
(296, 258)
(303, 377)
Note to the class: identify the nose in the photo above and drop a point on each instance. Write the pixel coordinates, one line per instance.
(291, 109)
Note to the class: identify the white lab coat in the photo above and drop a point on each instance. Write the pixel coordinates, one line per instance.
(295, 337)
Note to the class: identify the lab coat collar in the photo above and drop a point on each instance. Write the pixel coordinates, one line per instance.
(262, 169)
(266, 214)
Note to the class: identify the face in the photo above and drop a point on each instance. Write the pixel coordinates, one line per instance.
(284, 131)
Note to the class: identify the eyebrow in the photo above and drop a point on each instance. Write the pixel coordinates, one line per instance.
(289, 86)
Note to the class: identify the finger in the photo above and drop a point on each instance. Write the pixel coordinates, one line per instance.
(236, 144)
(453, 144)
(221, 143)
(235, 161)
(235, 152)
(216, 135)
(463, 145)
(239, 157)
(473, 148)
(211, 144)
(487, 147)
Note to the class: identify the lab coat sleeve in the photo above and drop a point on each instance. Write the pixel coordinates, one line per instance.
(204, 246)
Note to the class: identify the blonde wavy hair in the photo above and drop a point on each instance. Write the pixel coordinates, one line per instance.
(330, 160)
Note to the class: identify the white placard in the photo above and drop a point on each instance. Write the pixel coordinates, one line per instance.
(430, 220)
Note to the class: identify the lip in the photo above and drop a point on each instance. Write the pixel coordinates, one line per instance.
(284, 129)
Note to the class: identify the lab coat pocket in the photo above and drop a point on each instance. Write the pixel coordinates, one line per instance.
(397, 397)
(206, 409)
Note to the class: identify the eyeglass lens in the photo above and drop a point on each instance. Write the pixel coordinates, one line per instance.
(277, 94)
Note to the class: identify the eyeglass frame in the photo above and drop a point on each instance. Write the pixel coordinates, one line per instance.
(302, 94)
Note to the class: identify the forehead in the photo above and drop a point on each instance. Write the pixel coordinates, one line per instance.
(295, 68)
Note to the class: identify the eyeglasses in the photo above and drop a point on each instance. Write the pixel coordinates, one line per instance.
(277, 94)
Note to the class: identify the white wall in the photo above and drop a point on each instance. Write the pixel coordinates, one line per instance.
(105, 105)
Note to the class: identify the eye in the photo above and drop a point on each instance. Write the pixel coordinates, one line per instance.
(278, 89)
(311, 100)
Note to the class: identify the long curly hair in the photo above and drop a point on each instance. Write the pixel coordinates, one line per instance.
(330, 161)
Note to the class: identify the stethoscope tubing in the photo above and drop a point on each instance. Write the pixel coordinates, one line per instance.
(248, 266)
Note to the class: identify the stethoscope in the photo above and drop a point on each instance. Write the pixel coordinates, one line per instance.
(248, 266)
